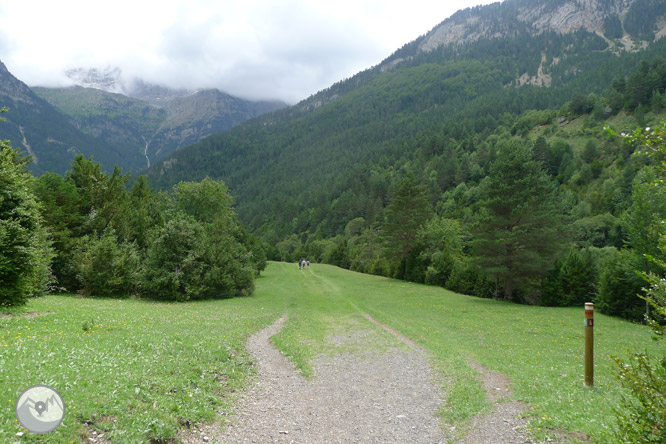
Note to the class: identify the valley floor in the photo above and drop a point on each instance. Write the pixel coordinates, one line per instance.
(353, 358)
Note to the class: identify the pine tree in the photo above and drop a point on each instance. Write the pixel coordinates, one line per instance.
(518, 229)
(408, 211)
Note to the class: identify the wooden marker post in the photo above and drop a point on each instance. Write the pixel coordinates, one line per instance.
(589, 344)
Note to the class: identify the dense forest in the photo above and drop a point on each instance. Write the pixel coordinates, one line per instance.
(547, 208)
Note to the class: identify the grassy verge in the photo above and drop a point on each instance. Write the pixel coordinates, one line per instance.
(136, 370)
(129, 369)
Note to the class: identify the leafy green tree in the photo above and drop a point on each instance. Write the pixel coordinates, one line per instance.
(102, 197)
(288, 247)
(590, 152)
(60, 204)
(408, 211)
(441, 243)
(201, 252)
(337, 253)
(613, 27)
(644, 221)
(142, 212)
(519, 226)
(574, 281)
(25, 251)
(644, 217)
(174, 265)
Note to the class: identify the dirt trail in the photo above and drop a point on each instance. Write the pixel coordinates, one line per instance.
(366, 397)
(504, 424)
(355, 397)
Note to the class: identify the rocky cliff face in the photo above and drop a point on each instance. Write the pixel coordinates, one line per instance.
(573, 15)
(534, 17)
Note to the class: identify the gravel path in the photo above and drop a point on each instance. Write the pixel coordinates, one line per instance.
(367, 397)
(363, 396)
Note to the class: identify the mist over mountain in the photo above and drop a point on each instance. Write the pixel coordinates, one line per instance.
(150, 121)
(111, 80)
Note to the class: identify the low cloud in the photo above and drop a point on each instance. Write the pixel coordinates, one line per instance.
(276, 49)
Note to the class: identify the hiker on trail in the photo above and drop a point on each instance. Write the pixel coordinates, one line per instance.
(299, 264)
(308, 262)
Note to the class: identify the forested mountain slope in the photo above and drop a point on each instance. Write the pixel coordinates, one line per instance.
(292, 171)
(50, 136)
(148, 130)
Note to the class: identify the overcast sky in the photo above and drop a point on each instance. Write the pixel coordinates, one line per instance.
(274, 49)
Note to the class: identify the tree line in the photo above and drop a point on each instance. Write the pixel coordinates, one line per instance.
(87, 233)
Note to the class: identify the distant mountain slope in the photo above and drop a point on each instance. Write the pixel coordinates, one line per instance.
(151, 129)
(47, 134)
(290, 168)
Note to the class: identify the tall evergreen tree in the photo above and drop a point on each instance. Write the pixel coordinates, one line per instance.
(518, 228)
(408, 211)
(61, 206)
(25, 251)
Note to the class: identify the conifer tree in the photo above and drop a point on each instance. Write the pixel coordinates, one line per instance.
(518, 229)
(25, 252)
(408, 211)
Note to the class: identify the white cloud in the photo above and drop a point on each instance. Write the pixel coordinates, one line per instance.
(285, 49)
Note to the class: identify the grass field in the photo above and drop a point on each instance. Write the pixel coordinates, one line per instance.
(136, 370)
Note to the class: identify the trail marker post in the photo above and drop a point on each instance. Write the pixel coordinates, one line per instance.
(589, 344)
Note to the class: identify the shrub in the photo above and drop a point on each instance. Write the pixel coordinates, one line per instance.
(174, 266)
(642, 417)
(186, 260)
(107, 267)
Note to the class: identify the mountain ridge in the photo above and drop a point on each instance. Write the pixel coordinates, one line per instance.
(54, 124)
(152, 130)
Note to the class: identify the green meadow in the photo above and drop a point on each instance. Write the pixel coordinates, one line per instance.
(137, 371)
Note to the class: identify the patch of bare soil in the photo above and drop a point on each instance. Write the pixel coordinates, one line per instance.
(30, 314)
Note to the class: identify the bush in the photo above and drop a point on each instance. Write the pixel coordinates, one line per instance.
(186, 261)
(642, 416)
(174, 265)
(107, 267)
